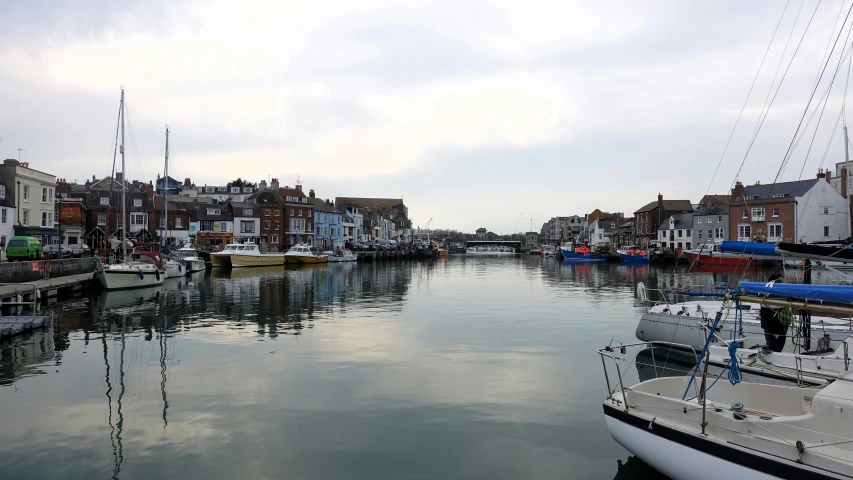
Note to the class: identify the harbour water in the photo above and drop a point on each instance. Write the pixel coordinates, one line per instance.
(470, 367)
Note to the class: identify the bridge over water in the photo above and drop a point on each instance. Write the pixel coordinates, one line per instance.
(495, 243)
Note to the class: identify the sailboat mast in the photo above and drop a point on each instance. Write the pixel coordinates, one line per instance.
(847, 166)
(123, 187)
(166, 191)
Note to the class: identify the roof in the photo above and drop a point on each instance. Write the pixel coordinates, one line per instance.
(320, 205)
(266, 197)
(173, 207)
(199, 212)
(285, 192)
(682, 220)
(715, 200)
(712, 211)
(379, 203)
(8, 200)
(793, 189)
(671, 205)
(244, 204)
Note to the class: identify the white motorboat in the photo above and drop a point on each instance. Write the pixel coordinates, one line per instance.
(690, 428)
(548, 251)
(342, 255)
(175, 268)
(302, 253)
(249, 255)
(191, 260)
(223, 257)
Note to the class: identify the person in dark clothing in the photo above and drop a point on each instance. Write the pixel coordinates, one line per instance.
(775, 333)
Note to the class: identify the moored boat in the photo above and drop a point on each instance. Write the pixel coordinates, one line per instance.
(341, 255)
(633, 255)
(302, 253)
(249, 255)
(191, 260)
(223, 257)
(581, 253)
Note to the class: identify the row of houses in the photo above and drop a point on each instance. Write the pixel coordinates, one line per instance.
(35, 203)
(804, 211)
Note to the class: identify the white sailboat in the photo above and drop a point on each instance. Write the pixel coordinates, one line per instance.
(174, 266)
(127, 274)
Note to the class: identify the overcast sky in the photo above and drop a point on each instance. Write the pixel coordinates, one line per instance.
(478, 113)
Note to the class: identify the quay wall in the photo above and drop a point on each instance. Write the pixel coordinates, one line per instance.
(17, 272)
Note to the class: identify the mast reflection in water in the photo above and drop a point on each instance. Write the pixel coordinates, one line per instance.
(457, 368)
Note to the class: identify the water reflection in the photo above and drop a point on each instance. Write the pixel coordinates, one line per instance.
(338, 371)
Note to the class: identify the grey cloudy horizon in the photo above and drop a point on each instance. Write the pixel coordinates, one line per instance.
(491, 114)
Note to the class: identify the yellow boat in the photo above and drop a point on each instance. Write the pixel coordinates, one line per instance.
(250, 256)
(223, 258)
(302, 254)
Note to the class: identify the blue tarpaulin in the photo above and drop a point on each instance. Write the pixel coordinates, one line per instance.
(749, 248)
(823, 293)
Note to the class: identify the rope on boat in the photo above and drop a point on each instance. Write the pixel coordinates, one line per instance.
(735, 375)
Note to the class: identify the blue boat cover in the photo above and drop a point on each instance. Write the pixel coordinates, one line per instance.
(823, 293)
(749, 248)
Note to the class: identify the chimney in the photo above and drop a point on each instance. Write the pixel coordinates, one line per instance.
(187, 182)
(828, 176)
(93, 179)
(10, 161)
(737, 191)
(262, 186)
(844, 182)
(820, 173)
(88, 186)
(299, 186)
(311, 193)
(660, 201)
(274, 184)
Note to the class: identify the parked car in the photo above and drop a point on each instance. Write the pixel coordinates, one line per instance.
(54, 251)
(23, 248)
(79, 250)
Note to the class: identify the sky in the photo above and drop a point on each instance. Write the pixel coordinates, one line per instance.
(496, 114)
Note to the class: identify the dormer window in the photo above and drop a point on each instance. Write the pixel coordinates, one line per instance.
(105, 201)
(235, 189)
(214, 211)
(137, 202)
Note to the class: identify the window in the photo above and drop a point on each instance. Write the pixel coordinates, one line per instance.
(46, 219)
(679, 244)
(139, 219)
(662, 235)
(304, 200)
(700, 220)
(179, 222)
(710, 220)
(758, 214)
(214, 211)
(720, 218)
(291, 212)
(825, 231)
(278, 213)
(718, 233)
(137, 202)
(775, 212)
(247, 226)
(277, 226)
(44, 194)
(688, 235)
(205, 225)
(26, 220)
(274, 239)
(235, 189)
(266, 225)
(710, 232)
(120, 223)
(26, 193)
(679, 234)
(223, 226)
(248, 212)
(745, 214)
(221, 189)
(3, 216)
(744, 232)
(319, 230)
(825, 210)
(699, 233)
(774, 231)
(102, 219)
(247, 189)
(266, 212)
(687, 245)
(309, 213)
(2, 191)
(300, 212)
(105, 201)
(209, 189)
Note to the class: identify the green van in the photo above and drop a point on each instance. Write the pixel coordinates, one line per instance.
(24, 248)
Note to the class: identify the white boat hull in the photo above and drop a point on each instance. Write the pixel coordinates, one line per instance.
(194, 265)
(675, 460)
(175, 270)
(261, 260)
(125, 279)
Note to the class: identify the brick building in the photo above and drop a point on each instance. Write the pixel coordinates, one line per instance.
(648, 219)
(803, 211)
(299, 215)
(177, 231)
(72, 219)
(271, 218)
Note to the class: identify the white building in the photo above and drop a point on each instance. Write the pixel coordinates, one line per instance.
(32, 192)
(224, 193)
(247, 223)
(676, 232)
